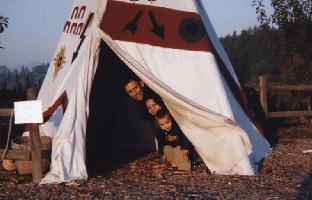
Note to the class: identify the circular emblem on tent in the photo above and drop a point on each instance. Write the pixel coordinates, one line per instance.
(191, 30)
(59, 60)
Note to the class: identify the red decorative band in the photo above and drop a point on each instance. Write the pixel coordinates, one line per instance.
(157, 26)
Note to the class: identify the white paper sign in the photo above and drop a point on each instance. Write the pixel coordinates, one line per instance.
(28, 112)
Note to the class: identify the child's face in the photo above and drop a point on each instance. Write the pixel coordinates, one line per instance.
(165, 123)
(134, 90)
(152, 106)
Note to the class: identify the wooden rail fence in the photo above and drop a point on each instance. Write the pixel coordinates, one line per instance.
(34, 154)
(265, 88)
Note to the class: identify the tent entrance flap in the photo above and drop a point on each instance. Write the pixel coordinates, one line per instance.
(116, 127)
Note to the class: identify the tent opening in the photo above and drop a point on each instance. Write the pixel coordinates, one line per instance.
(116, 130)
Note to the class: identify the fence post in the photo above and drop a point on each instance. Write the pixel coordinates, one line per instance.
(263, 94)
(31, 93)
(35, 143)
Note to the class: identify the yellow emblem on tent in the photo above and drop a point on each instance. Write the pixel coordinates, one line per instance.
(59, 60)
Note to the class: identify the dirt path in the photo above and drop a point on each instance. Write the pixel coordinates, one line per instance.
(286, 174)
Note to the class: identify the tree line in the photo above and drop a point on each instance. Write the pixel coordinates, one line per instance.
(266, 50)
(281, 46)
(22, 78)
(13, 83)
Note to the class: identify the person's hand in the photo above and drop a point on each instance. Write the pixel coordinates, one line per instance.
(184, 152)
(163, 158)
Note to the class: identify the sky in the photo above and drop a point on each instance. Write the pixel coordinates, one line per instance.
(36, 25)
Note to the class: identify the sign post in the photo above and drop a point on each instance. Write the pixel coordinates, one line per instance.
(30, 113)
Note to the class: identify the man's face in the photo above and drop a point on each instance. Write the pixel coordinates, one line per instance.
(134, 90)
(152, 106)
(165, 123)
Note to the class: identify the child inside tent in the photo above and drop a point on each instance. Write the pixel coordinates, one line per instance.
(174, 145)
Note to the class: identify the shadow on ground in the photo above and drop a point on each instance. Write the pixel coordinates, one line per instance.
(305, 191)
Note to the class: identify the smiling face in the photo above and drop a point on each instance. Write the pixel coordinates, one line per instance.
(152, 106)
(165, 123)
(134, 90)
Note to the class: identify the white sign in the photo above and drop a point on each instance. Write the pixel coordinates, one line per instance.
(27, 112)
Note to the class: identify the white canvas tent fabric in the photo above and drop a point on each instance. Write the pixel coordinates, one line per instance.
(189, 81)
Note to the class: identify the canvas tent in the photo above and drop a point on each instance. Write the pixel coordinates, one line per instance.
(172, 47)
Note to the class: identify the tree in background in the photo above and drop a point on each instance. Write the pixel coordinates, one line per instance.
(14, 82)
(253, 52)
(22, 78)
(4, 21)
(292, 19)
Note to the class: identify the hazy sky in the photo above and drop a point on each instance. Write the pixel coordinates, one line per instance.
(35, 26)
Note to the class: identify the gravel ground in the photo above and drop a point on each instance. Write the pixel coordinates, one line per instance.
(285, 174)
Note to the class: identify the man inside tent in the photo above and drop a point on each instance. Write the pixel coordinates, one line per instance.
(136, 90)
(135, 116)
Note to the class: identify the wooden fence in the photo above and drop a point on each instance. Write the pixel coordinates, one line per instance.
(34, 154)
(265, 88)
